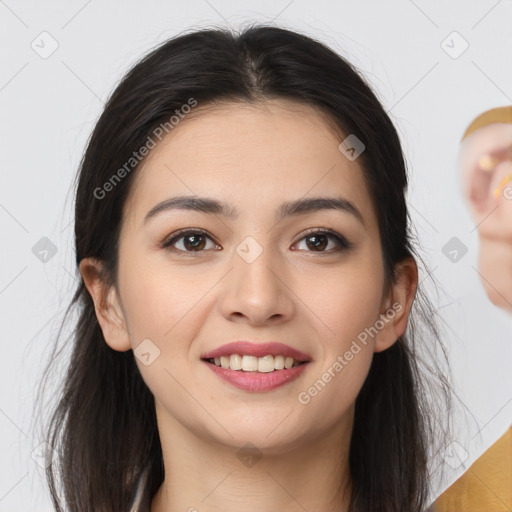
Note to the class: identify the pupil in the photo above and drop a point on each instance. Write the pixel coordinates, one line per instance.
(317, 243)
(196, 241)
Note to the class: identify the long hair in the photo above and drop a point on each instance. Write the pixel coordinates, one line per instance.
(103, 428)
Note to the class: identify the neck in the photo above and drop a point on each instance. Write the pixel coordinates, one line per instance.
(204, 475)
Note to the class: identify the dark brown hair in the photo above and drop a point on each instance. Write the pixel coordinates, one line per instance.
(103, 428)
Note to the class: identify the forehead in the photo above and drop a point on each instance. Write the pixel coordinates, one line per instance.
(253, 154)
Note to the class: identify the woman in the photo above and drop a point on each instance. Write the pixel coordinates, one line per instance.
(247, 279)
(485, 168)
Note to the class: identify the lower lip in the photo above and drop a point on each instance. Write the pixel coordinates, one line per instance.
(256, 381)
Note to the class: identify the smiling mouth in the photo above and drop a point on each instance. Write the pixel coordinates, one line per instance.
(253, 364)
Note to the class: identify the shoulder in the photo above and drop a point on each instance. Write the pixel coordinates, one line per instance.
(486, 485)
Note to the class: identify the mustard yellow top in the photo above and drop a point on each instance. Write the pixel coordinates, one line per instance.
(486, 486)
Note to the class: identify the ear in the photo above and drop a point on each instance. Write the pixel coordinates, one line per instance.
(397, 305)
(489, 190)
(486, 171)
(106, 304)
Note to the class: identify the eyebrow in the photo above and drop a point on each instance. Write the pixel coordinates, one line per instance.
(214, 207)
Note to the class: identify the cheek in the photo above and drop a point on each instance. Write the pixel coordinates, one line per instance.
(348, 307)
(345, 300)
(157, 299)
(161, 305)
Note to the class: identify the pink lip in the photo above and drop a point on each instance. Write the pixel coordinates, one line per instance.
(256, 381)
(258, 350)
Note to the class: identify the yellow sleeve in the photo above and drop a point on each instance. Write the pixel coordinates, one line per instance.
(486, 486)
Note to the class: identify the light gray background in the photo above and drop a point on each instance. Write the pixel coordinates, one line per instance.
(49, 107)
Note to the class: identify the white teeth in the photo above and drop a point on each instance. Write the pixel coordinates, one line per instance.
(249, 363)
(265, 364)
(235, 362)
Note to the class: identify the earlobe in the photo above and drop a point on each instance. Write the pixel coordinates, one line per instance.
(108, 310)
(396, 310)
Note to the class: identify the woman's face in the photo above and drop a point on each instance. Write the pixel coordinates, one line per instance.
(488, 194)
(256, 276)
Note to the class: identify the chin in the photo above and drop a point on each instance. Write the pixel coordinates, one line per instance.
(263, 443)
(276, 434)
(499, 297)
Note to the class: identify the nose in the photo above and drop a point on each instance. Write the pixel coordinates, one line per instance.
(257, 293)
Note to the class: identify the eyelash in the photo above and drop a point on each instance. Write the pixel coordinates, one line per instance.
(343, 243)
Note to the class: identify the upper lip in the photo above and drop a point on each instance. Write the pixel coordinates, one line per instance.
(271, 348)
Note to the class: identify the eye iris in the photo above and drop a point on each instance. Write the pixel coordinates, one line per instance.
(197, 241)
(317, 243)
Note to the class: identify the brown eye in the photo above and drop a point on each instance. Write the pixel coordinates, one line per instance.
(190, 240)
(318, 241)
